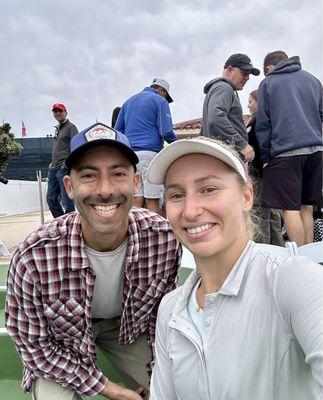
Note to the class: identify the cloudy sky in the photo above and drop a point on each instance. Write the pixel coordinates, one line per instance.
(93, 54)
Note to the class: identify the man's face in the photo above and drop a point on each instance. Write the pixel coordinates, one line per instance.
(237, 77)
(102, 184)
(59, 115)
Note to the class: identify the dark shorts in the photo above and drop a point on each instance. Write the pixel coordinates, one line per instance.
(291, 181)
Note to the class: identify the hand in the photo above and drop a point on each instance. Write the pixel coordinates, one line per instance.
(248, 153)
(117, 392)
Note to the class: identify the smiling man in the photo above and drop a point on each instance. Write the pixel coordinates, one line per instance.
(95, 276)
(222, 111)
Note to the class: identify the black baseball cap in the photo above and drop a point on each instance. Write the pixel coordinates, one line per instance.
(241, 61)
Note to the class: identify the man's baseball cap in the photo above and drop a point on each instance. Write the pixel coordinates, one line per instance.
(96, 135)
(164, 84)
(241, 61)
(163, 160)
(59, 106)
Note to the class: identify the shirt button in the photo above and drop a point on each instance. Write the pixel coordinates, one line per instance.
(208, 322)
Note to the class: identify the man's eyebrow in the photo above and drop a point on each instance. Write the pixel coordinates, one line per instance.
(94, 168)
(197, 180)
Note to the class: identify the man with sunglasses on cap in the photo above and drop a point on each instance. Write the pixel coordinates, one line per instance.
(222, 111)
(58, 201)
(146, 120)
(92, 277)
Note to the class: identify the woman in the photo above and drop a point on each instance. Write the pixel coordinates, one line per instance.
(245, 325)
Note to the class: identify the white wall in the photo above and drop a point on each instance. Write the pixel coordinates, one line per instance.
(20, 197)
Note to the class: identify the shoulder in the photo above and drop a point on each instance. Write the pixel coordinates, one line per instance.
(69, 124)
(285, 272)
(222, 85)
(168, 303)
(298, 271)
(51, 231)
(152, 231)
(148, 220)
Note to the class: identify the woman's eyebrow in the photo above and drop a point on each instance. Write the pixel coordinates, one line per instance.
(197, 180)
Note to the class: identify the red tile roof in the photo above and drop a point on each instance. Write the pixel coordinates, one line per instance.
(190, 124)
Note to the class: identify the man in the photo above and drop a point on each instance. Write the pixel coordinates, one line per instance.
(222, 111)
(94, 276)
(58, 201)
(289, 132)
(146, 120)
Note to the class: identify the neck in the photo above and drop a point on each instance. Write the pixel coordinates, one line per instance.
(215, 269)
(103, 241)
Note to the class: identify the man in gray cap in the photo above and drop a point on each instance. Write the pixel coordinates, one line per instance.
(222, 111)
(146, 120)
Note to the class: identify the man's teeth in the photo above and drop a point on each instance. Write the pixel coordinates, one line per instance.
(106, 209)
(199, 229)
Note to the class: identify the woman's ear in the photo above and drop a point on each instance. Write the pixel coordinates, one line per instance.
(248, 197)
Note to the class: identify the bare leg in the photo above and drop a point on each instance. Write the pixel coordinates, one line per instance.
(294, 226)
(308, 222)
(138, 201)
(153, 205)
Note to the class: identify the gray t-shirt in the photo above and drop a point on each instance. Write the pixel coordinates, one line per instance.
(109, 270)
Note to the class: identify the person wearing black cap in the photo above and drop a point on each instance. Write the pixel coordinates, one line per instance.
(58, 201)
(222, 111)
(92, 277)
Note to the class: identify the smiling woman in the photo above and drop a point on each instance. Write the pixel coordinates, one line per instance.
(243, 313)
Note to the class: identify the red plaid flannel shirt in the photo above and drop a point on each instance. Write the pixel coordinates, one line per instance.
(50, 288)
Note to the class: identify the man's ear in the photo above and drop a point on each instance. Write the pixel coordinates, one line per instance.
(136, 181)
(68, 186)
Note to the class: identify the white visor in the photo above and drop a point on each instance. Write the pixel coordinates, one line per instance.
(160, 164)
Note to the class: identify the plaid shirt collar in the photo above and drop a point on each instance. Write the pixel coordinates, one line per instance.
(133, 251)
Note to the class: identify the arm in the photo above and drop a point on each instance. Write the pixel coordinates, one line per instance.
(162, 385)
(299, 297)
(40, 352)
(120, 124)
(73, 131)
(219, 105)
(263, 124)
(165, 123)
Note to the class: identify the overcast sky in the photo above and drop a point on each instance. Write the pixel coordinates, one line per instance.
(94, 54)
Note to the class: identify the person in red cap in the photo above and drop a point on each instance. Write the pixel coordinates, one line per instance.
(58, 201)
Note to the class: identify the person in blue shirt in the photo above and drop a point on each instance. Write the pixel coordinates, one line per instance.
(146, 120)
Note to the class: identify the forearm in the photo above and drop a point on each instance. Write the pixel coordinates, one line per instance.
(114, 391)
(170, 137)
(60, 365)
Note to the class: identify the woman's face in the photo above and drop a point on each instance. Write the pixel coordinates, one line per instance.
(206, 205)
(252, 105)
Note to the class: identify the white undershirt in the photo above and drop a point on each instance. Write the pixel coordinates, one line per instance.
(196, 313)
(109, 270)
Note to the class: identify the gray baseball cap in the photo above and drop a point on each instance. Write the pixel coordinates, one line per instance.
(164, 84)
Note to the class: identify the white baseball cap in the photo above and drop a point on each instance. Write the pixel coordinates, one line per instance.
(164, 84)
(162, 161)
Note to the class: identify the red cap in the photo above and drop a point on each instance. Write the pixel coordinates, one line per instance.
(59, 106)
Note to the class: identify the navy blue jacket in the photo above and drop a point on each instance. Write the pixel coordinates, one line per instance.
(289, 110)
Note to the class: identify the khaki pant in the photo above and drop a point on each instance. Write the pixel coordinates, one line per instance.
(129, 360)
